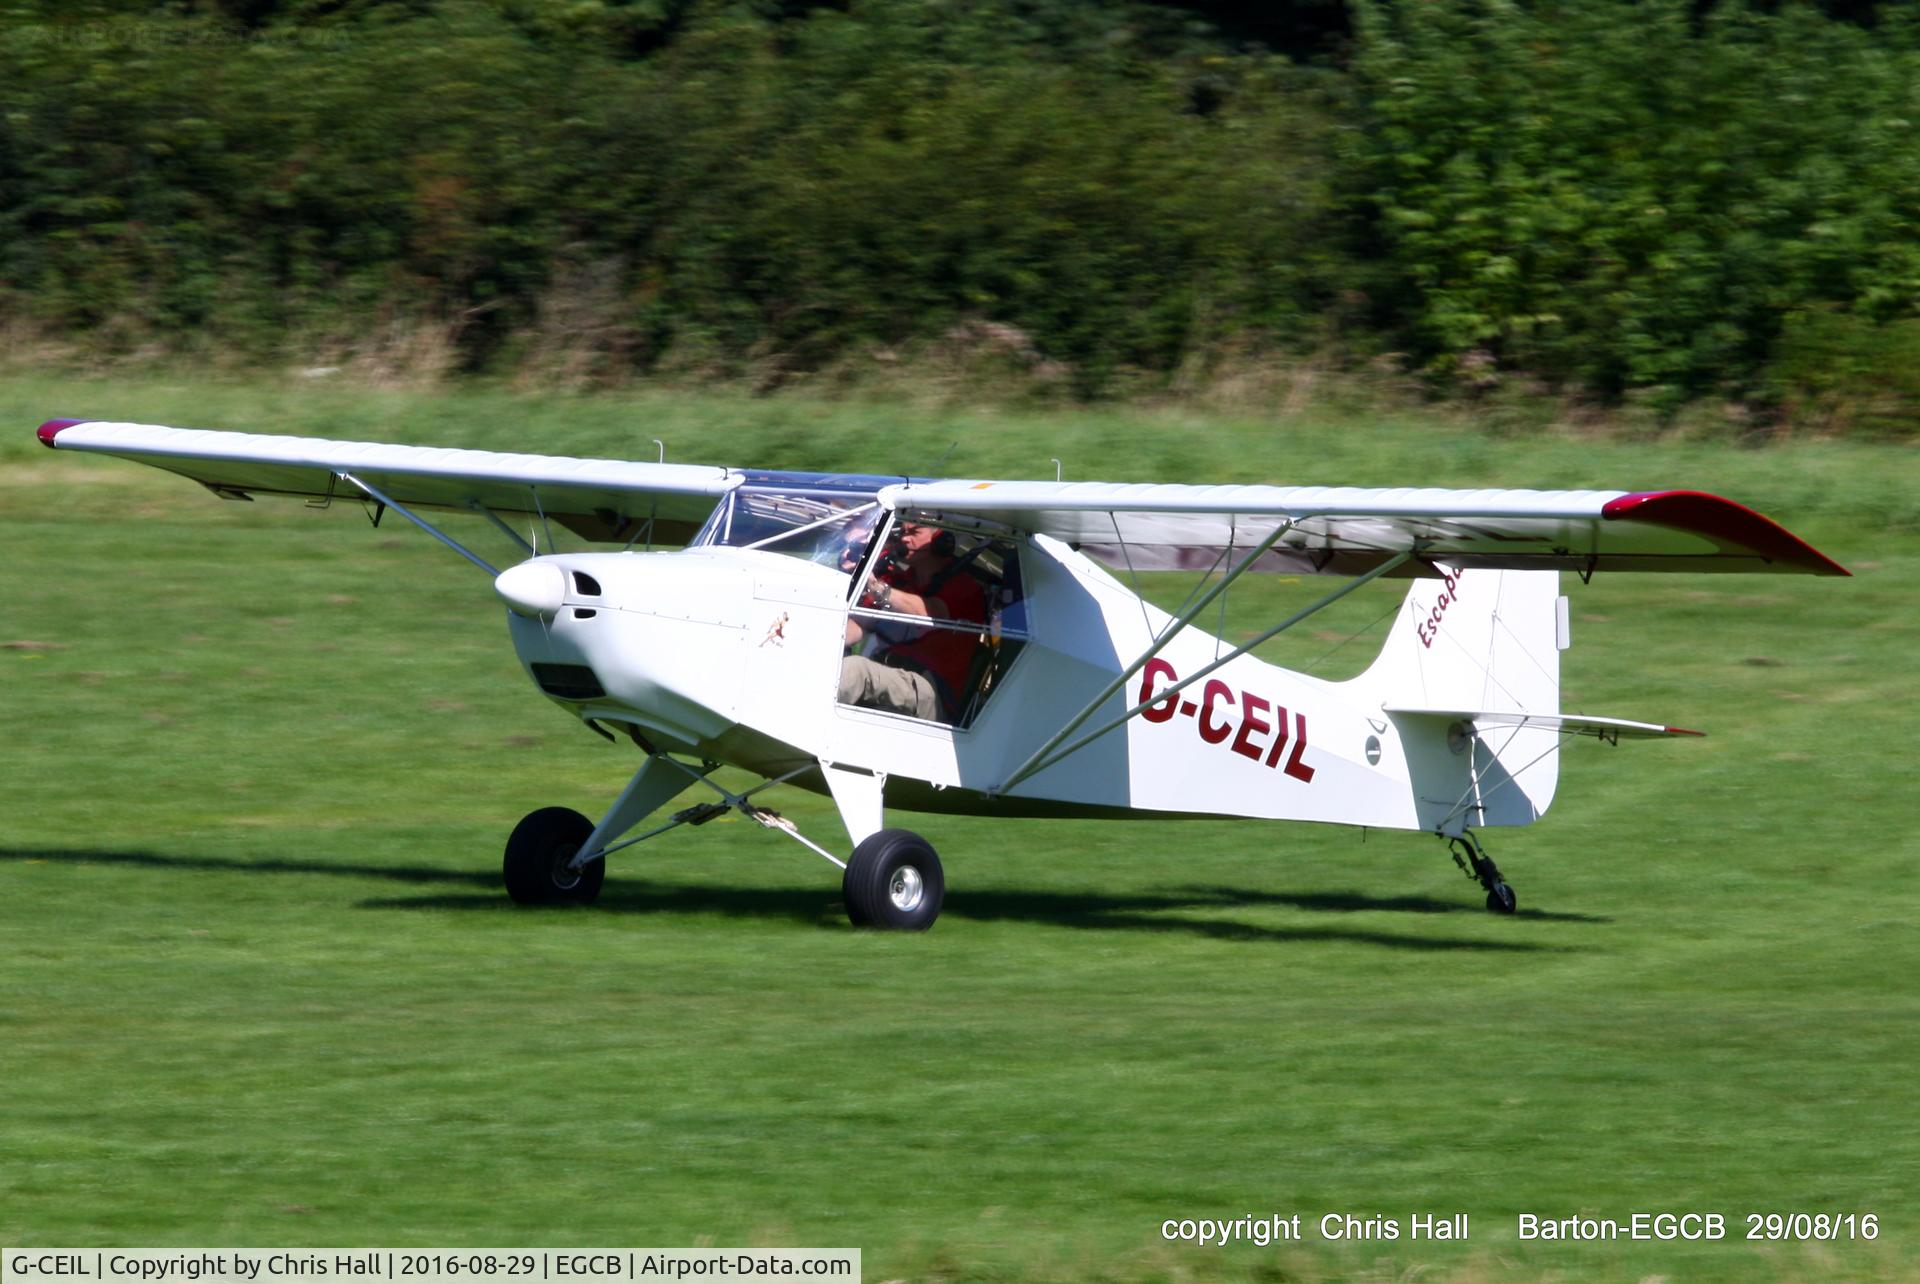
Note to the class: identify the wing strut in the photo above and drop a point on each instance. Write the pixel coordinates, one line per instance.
(1040, 757)
(1045, 756)
(422, 523)
(504, 529)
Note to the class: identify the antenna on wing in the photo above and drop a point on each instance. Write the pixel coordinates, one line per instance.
(1056, 470)
(538, 508)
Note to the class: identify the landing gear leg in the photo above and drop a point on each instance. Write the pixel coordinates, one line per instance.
(1473, 861)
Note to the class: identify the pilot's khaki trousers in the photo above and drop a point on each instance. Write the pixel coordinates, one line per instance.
(870, 683)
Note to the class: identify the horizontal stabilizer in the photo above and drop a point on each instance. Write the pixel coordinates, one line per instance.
(1573, 724)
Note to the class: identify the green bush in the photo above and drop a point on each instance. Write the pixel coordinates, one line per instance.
(1623, 196)
(880, 175)
(165, 178)
(1847, 374)
(1616, 195)
(757, 190)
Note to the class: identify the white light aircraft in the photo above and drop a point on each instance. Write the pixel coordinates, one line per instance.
(961, 647)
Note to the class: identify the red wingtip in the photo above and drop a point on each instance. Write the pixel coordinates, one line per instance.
(52, 428)
(1733, 526)
(1682, 731)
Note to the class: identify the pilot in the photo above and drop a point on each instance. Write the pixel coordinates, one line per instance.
(921, 671)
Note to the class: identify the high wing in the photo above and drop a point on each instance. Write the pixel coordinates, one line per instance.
(601, 499)
(1141, 526)
(1351, 530)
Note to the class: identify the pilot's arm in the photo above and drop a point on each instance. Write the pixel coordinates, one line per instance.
(882, 596)
(902, 600)
(907, 602)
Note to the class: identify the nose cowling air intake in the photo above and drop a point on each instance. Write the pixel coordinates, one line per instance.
(534, 589)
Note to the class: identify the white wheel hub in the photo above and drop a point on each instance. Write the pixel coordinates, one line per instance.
(906, 889)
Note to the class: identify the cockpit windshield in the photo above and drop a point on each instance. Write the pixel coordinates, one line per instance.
(830, 526)
(839, 541)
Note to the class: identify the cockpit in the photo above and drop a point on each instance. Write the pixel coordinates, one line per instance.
(936, 614)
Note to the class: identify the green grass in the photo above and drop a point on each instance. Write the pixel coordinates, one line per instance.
(258, 984)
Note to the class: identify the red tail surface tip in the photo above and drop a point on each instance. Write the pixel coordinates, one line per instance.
(51, 429)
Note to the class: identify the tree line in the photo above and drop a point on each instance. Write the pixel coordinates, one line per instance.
(1647, 199)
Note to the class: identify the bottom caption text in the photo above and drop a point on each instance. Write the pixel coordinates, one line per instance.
(1646, 1227)
(423, 1266)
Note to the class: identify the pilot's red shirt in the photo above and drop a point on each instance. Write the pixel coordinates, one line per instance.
(947, 653)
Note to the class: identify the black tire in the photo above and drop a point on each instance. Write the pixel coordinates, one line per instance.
(1501, 900)
(894, 883)
(535, 869)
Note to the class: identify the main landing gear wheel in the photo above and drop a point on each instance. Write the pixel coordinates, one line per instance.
(536, 870)
(894, 882)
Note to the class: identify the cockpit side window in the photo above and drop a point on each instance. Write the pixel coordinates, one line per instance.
(939, 619)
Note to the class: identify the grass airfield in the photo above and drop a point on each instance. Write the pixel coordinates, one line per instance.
(259, 985)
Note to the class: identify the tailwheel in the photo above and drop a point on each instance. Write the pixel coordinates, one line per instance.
(1473, 860)
(538, 869)
(894, 882)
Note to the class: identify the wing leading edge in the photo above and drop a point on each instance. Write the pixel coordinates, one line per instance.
(1350, 530)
